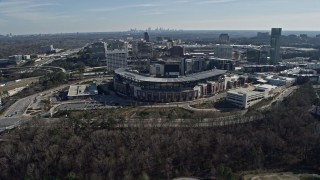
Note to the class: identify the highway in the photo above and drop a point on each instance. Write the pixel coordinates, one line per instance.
(47, 59)
(35, 67)
(16, 84)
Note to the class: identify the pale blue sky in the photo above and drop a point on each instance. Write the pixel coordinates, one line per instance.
(55, 16)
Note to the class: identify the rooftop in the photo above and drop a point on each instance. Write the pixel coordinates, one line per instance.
(192, 77)
(243, 91)
(83, 90)
(265, 86)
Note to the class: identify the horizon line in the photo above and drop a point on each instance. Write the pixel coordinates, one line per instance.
(146, 30)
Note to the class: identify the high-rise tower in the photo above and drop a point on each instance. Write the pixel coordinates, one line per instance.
(224, 39)
(146, 37)
(275, 45)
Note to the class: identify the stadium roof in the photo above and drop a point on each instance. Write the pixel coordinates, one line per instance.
(192, 77)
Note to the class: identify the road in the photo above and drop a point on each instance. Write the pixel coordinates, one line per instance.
(35, 67)
(14, 84)
(15, 114)
(114, 101)
(285, 93)
(47, 59)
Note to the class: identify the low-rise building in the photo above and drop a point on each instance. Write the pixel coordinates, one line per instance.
(269, 90)
(280, 81)
(245, 97)
(47, 49)
(82, 91)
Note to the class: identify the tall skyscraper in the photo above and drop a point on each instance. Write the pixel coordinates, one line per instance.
(146, 37)
(275, 45)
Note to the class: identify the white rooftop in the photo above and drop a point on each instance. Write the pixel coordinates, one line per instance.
(243, 91)
(265, 86)
(83, 90)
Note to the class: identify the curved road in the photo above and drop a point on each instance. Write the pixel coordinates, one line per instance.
(15, 114)
(37, 67)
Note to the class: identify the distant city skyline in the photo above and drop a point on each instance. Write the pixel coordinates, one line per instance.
(61, 16)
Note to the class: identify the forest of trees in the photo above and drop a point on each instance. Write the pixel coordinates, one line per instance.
(288, 138)
(76, 64)
(33, 44)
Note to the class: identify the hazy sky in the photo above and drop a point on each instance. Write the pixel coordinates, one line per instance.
(55, 16)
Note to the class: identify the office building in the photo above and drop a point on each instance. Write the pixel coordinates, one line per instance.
(26, 57)
(17, 59)
(116, 59)
(259, 68)
(95, 51)
(47, 49)
(142, 49)
(177, 51)
(186, 66)
(275, 45)
(224, 39)
(117, 44)
(280, 81)
(303, 36)
(257, 56)
(170, 44)
(263, 35)
(225, 64)
(146, 37)
(223, 51)
(159, 39)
